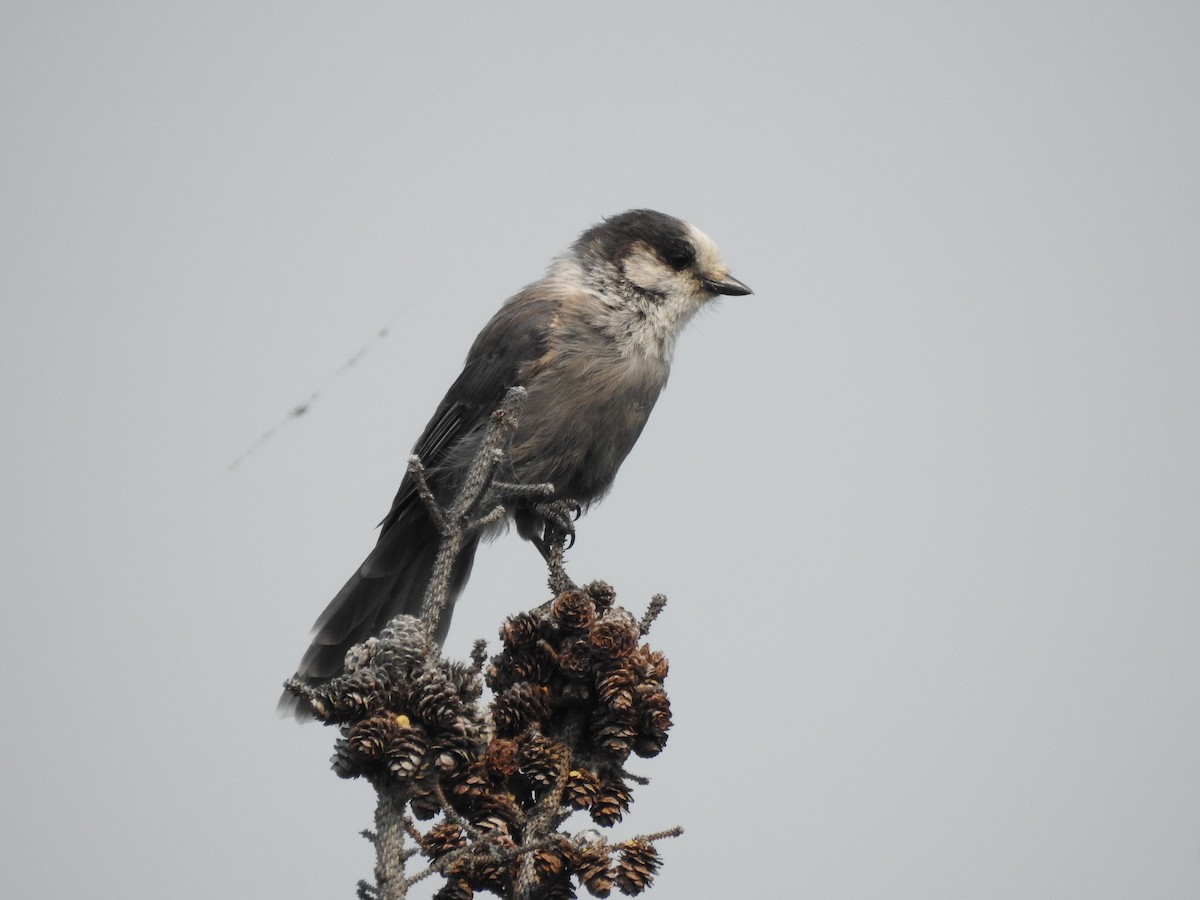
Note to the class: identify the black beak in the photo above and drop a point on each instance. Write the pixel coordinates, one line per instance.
(728, 285)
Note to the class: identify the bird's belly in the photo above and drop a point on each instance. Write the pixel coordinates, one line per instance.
(577, 436)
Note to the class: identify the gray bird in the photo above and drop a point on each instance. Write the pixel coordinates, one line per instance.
(591, 343)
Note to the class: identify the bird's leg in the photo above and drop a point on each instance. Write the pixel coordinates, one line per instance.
(558, 536)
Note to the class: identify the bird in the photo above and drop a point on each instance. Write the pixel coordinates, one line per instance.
(591, 343)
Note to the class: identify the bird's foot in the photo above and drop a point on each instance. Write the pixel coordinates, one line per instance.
(558, 536)
(560, 517)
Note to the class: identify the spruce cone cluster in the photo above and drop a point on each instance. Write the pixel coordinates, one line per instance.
(405, 713)
(575, 693)
(585, 861)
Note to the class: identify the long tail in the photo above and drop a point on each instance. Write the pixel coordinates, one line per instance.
(392, 581)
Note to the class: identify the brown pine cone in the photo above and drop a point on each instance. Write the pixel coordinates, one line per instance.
(613, 735)
(615, 685)
(519, 707)
(500, 758)
(615, 636)
(572, 611)
(486, 874)
(530, 664)
(406, 751)
(575, 660)
(602, 594)
(549, 863)
(558, 890)
(612, 802)
(434, 700)
(520, 630)
(441, 839)
(423, 801)
(370, 738)
(636, 866)
(541, 759)
(583, 787)
(650, 665)
(593, 867)
(455, 746)
(467, 786)
(654, 720)
(455, 890)
(344, 762)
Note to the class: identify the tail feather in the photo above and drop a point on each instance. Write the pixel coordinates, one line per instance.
(392, 581)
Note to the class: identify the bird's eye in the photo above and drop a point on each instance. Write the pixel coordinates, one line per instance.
(679, 258)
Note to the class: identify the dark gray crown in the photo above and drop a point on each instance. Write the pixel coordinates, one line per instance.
(666, 235)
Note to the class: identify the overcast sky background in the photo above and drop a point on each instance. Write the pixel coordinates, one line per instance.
(926, 506)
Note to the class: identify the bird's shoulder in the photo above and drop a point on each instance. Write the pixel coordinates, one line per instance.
(513, 340)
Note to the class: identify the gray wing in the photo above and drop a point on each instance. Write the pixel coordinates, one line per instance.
(514, 338)
(393, 578)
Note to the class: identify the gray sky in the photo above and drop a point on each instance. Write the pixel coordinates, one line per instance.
(927, 505)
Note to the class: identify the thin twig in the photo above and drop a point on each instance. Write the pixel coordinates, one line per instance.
(659, 835)
(476, 506)
(454, 815)
(657, 604)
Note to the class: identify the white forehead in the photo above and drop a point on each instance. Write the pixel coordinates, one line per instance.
(708, 257)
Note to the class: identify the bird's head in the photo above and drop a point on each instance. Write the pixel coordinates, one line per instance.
(658, 262)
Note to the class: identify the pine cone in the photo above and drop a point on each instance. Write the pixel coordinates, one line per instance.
(371, 737)
(615, 636)
(583, 787)
(541, 759)
(529, 664)
(344, 762)
(434, 700)
(613, 735)
(602, 594)
(406, 751)
(424, 802)
(612, 802)
(468, 786)
(558, 890)
(455, 890)
(495, 812)
(635, 868)
(573, 611)
(615, 685)
(405, 642)
(488, 875)
(360, 655)
(654, 719)
(593, 867)
(575, 660)
(442, 839)
(347, 697)
(520, 630)
(500, 758)
(464, 679)
(519, 707)
(650, 665)
(549, 863)
(455, 746)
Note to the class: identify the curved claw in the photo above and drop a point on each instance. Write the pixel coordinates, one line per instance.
(564, 526)
(558, 521)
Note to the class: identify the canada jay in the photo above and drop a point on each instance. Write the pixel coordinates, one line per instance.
(591, 343)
